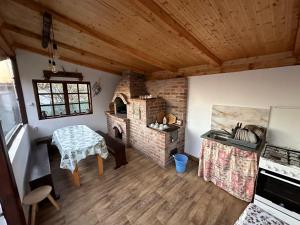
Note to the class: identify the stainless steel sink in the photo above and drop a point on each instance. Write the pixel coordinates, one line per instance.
(226, 138)
(219, 135)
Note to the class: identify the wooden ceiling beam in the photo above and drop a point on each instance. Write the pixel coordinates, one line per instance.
(27, 33)
(297, 40)
(5, 46)
(67, 59)
(96, 34)
(182, 32)
(250, 63)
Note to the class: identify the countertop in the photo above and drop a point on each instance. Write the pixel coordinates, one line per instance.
(168, 130)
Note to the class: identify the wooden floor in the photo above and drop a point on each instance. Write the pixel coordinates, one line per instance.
(139, 193)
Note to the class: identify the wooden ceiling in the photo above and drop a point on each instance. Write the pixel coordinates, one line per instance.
(160, 38)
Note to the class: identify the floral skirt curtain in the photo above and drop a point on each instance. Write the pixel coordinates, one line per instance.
(228, 167)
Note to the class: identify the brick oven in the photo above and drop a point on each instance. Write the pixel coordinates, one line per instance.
(129, 116)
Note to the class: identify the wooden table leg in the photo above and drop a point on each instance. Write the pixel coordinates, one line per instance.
(33, 213)
(76, 177)
(100, 165)
(51, 199)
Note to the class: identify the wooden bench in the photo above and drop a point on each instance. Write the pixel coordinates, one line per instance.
(39, 170)
(116, 148)
(46, 140)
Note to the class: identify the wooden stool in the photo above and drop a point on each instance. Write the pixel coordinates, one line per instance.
(36, 196)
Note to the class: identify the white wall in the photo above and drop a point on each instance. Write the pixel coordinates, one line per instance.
(256, 88)
(31, 66)
(18, 154)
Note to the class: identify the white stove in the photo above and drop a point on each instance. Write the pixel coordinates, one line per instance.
(278, 182)
(281, 161)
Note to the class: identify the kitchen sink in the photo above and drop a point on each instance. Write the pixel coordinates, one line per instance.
(225, 138)
(219, 135)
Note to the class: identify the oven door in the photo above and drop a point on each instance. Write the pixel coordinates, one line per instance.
(281, 190)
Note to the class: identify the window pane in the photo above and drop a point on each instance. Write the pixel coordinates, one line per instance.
(43, 87)
(72, 88)
(58, 99)
(45, 99)
(9, 107)
(84, 98)
(73, 98)
(83, 88)
(60, 110)
(74, 108)
(85, 107)
(46, 111)
(57, 88)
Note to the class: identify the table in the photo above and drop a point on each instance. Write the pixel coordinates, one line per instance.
(253, 214)
(77, 142)
(230, 168)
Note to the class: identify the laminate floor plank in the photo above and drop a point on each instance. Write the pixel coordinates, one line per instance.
(139, 193)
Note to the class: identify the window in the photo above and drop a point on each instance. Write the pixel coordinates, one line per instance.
(62, 98)
(10, 115)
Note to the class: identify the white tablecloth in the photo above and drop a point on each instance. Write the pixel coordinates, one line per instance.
(76, 143)
(254, 215)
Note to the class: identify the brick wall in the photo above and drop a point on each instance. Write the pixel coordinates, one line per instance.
(147, 140)
(174, 92)
(122, 122)
(140, 113)
(123, 86)
(132, 85)
(137, 85)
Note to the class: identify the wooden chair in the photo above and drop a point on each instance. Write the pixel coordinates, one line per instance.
(36, 196)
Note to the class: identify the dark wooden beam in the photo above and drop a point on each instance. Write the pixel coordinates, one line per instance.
(182, 32)
(48, 74)
(27, 33)
(67, 59)
(96, 34)
(297, 40)
(5, 46)
(250, 63)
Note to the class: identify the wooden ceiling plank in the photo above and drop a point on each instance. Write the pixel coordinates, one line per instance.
(182, 32)
(38, 37)
(256, 59)
(67, 59)
(101, 36)
(258, 62)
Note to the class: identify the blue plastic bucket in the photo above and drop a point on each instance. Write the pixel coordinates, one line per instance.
(180, 162)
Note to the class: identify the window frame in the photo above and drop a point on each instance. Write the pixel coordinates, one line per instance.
(66, 98)
(20, 98)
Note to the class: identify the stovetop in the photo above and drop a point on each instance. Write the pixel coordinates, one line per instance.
(282, 155)
(281, 160)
